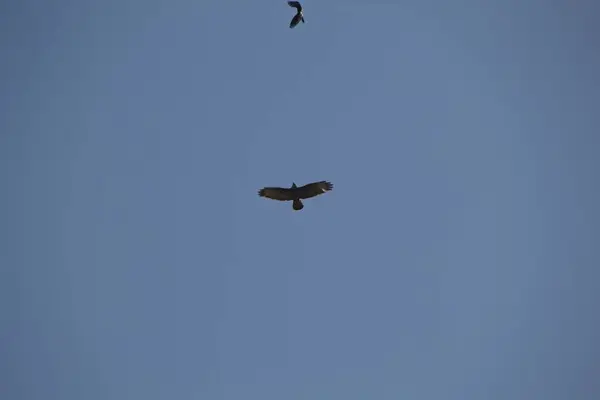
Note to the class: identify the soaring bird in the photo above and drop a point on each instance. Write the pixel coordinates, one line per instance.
(299, 15)
(296, 193)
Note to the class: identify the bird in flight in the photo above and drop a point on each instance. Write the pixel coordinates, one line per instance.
(299, 15)
(295, 193)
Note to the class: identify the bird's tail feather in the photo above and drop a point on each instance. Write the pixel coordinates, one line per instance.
(297, 205)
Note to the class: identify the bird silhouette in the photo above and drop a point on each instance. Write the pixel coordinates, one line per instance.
(299, 15)
(295, 193)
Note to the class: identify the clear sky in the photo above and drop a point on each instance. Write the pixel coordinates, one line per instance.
(456, 258)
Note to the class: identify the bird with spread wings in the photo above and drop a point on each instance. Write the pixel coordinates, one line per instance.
(299, 15)
(295, 193)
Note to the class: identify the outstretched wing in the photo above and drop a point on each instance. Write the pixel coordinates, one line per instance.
(296, 5)
(314, 189)
(276, 193)
(295, 20)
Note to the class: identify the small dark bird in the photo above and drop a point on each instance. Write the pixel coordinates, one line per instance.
(299, 15)
(296, 193)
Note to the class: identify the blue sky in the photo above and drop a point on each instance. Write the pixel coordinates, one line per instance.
(456, 258)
